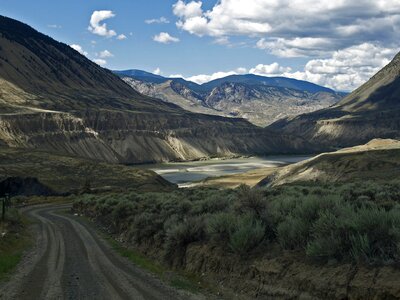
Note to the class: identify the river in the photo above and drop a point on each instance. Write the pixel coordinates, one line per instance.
(186, 172)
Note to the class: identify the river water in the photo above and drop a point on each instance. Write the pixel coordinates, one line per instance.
(187, 172)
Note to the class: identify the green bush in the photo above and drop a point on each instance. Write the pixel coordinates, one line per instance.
(220, 227)
(179, 236)
(293, 233)
(246, 235)
(250, 201)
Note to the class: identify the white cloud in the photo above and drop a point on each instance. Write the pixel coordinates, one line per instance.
(97, 27)
(186, 11)
(121, 37)
(175, 76)
(105, 54)
(157, 71)
(203, 78)
(297, 47)
(223, 40)
(79, 49)
(271, 69)
(296, 27)
(100, 62)
(161, 20)
(344, 70)
(165, 38)
(54, 26)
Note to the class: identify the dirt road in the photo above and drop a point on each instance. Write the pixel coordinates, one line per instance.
(70, 261)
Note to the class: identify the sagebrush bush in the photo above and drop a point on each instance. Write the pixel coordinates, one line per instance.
(179, 236)
(220, 227)
(357, 222)
(247, 234)
(293, 233)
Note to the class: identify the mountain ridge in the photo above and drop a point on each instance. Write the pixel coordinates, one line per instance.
(259, 99)
(54, 99)
(371, 111)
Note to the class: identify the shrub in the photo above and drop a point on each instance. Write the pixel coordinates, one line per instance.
(293, 233)
(144, 227)
(220, 227)
(250, 201)
(179, 236)
(246, 235)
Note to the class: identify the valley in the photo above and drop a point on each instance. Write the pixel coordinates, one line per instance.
(132, 185)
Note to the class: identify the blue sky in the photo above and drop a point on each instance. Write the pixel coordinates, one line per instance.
(209, 39)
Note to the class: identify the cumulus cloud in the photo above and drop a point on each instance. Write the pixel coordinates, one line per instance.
(344, 70)
(157, 71)
(175, 76)
(121, 37)
(271, 69)
(97, 26)
(292, 28)
(100, 61)
(105, 54)
(189, 10)
(203, 78)
(161, 20)
(165, 38)
(79, 49)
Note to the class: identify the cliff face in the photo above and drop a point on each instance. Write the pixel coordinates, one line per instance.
(371, 111)
(156, 137)
(55, 99)
(55, 132)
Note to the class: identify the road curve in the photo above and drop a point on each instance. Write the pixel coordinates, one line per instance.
(70, 261)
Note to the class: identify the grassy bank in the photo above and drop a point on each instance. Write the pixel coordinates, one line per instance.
(14, 240)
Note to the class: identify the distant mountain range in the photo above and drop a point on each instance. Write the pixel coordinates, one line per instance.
(262, 100)
(371, 111)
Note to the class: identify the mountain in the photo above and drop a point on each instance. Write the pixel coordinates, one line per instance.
(378, 160)
(371, 111)
(142, 75)
(54, 99)
(261, 100)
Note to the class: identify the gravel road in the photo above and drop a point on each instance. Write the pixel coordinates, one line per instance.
(71, 261)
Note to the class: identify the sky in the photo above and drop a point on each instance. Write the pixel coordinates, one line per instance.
(339, 44)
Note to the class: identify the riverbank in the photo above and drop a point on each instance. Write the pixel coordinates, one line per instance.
(250, 178)
(186, 173)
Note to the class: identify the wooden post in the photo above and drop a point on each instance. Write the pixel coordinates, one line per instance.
(3, 210)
